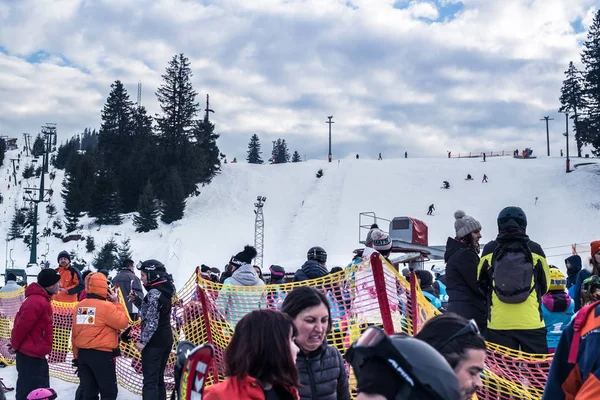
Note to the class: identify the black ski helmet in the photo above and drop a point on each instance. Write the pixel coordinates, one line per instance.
(512, 212)
(318, 254)
(429, 367)
(154, 269)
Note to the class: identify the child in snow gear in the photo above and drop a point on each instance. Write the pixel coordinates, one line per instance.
(191, 367)
(514, 274)
(380, 158)
(469, 177)
(440, 285)
(557, 308)
(425, 282)
(400, 367)
(446, 185)
(485, 178)
(156, 336)
(431, 210)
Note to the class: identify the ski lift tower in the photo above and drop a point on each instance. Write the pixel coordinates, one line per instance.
(259, 230)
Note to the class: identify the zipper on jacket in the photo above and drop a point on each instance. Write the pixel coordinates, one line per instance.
(311, 378)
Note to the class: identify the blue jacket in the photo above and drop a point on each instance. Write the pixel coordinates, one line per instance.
(581, 276)
(582, 379)
(572, 272)
(558, 310)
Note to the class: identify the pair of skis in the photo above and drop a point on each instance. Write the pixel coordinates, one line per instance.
(191, 368)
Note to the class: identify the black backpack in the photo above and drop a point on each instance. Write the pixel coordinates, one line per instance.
(512, 272)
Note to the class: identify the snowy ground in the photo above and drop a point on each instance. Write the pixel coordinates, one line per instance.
(302, 211)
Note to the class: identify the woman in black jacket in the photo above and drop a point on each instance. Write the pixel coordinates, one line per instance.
(462, 258)
(320, 367)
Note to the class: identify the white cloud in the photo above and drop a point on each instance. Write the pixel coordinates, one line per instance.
(390, 76)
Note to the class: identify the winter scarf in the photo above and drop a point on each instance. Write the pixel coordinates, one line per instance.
(556, 301)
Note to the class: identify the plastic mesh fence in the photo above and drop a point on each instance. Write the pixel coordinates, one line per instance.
(207, 312)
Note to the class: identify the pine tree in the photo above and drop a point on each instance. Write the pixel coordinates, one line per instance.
(254, 151)
(591, 60)
(296, 157)
(572, 100)
(124, 251)
(30, 217)
(16, 225)
(173, 203)
(177, 99)
(107, 258)
(51, 210)
(28, 171)
(114, 139)
(281, 153)
(2, 151)
(208, 161)
(145, 220)
(38, 146)
(105, 200)
(90, 244)
(74, 200)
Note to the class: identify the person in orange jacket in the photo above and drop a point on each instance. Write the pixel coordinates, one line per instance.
(70, 279)
(97, 320)
(260, 360)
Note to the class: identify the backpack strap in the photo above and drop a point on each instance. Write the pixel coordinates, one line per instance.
(578, 324)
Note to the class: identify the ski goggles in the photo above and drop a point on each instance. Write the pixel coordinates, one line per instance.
(470, 329)
(375, 343)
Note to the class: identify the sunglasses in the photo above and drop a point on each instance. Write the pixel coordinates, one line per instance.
(470, 329)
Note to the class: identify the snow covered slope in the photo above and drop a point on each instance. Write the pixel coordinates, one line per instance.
(302, 211)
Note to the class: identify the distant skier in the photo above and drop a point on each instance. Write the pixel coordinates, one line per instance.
(380, 158)
(406, 154)
(449, 154)
(431, 210)
(484, 178)
(469, 177)
(357, 157)
(484, 156)
(561, 152)
(446, 185)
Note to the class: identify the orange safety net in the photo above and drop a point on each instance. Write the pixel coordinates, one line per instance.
(207, 312)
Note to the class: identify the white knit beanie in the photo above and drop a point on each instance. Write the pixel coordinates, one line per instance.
(464, 224)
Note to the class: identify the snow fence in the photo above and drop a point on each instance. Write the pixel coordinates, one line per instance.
(369, 292)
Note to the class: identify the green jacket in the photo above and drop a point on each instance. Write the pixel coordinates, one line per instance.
(523, 316)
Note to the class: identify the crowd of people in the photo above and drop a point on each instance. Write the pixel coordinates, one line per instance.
(505, 293)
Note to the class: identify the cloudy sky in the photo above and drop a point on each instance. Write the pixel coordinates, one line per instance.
(423, 76)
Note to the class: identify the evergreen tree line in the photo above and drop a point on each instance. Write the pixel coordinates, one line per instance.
(580, 93)
(280, 153)
(2, 151)
(139, 163)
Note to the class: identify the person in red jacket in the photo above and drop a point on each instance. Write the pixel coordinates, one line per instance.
(31, 337)
(260, 360)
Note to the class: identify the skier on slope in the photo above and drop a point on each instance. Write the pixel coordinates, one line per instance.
(485, 178)
(431, 210)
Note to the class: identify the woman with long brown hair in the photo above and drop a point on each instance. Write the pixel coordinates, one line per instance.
(260, 361)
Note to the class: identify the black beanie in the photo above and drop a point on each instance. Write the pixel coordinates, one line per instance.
(244, 257)
(64, 254)
(48, 277)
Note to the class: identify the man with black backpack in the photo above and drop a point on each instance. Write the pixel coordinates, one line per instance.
(514, 274)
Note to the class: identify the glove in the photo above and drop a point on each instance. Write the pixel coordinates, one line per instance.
(75, 365)
(125, 335)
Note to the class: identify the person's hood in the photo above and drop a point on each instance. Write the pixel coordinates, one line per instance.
(34, 289)
(452, 246)
(246, 276)
(314, 269)
(575, 262)
(97, 284)
(511, 232)
(556, 301)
